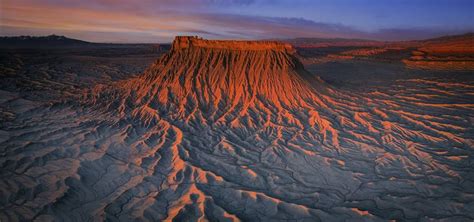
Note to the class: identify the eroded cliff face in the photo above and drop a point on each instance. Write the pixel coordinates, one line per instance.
(222, 79)
(226, 130)
(184, 42)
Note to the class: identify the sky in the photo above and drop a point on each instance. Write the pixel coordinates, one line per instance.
(156, 21)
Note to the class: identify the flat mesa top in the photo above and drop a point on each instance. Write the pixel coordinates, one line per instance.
(183, 42)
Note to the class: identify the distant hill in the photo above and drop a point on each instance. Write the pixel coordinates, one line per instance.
(463, 40)
(468, 37)
(40, 41)
(328, 42)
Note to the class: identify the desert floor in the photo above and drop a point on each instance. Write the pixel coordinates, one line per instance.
(388, 141)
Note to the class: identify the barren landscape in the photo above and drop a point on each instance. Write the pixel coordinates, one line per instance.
(238, 131)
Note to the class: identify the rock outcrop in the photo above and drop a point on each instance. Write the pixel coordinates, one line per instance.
(220, 78)
(183, 42)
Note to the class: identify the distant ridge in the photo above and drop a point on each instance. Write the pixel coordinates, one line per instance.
(58, 40)
(466, 36)
(330, 42)
(341, 42)
(40, 41)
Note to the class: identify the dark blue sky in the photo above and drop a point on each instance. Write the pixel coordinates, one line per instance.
(370, 14)
(161, 20)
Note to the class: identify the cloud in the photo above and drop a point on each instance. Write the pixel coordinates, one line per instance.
(161, 20)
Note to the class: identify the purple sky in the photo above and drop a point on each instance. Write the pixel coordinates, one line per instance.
(160, 20)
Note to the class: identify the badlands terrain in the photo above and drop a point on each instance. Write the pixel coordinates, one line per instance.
(207, 130)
